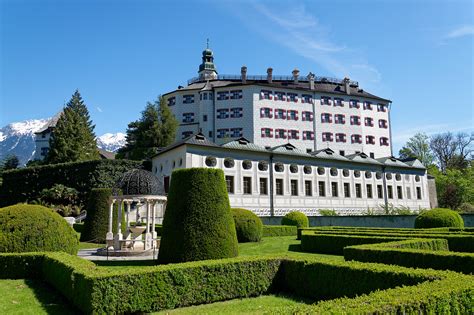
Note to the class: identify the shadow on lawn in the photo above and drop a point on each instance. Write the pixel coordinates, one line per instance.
(51, 301)
(295, 248)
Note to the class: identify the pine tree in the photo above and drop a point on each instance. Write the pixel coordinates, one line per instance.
(11, 162)
(73, 138)
(169, 124)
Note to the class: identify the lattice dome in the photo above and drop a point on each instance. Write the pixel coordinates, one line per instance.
(139, 182)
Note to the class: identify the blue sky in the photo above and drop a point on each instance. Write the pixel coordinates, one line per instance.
(121, 54)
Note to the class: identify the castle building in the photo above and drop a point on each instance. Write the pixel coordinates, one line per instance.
(311, 112)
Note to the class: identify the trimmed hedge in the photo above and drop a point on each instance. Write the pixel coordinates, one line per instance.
(295, 218)
(25, 184)
(198, 223)
(248, 226)
(439, 217)
(104, 290)
(279, 230)
(30, 228)
(413, 253)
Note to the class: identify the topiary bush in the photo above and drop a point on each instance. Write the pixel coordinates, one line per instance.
(439, 217)
(33, 228)
(198, 223)
(295, 218)
(248, 225)
(96, 223)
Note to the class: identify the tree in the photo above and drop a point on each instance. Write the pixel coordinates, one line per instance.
(418, 147)
(73, 138)
(156, 128)
(11, 162)
(452, 151)
(455, 187)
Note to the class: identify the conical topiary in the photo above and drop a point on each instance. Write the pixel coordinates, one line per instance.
(198, 223)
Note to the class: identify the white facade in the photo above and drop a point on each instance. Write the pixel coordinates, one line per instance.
(42, 144)
(324, 180)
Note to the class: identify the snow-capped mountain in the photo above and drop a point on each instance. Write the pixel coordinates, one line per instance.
(111, 141)
(18, 138)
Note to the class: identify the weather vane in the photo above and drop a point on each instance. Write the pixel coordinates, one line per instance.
(208, 43)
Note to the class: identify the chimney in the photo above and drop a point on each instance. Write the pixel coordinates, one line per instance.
(295, 73)
(347, 85)
(269, 75)
(243, 74)
(311, 81)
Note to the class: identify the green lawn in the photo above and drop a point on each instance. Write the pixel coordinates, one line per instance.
(31, 297)
(84, 245)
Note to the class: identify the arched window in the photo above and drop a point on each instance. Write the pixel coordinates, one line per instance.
(321, 170)
(357, 173)
(279, 167)
(389, 176)
(307, 169)
(368, 174)
(229, 162)
(345, 172)
(246, 164)
(333, 171)
(211, 161)
(294, 168)
(263, 166)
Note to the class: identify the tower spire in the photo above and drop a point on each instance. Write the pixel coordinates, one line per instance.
(207, 43)
(207, 69)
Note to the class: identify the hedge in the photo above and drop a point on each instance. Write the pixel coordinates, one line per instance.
(457, 242)
(439, 217)
(108, 290)
(248, 226)
(279, 230)
(413, 253)
(30, 228)
(296, 218)
(198, 223)
(25, 184)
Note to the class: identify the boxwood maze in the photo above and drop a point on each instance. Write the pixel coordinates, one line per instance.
(366, 287)
(437, 250)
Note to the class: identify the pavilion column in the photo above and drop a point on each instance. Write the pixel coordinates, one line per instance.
(110, 235)
(153, 221)
(148, 235)
(137, 214)
(119, 236)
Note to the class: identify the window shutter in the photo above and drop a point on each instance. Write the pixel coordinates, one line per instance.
(303, 116)
(302, 100)
(296, 115)
(263, 132)
(277, 134)
(262, 112)
(271, 132)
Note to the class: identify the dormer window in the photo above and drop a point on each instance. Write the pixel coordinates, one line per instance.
(381, 108)
(369, 122)
(370, 139)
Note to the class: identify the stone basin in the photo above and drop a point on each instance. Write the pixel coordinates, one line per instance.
(137, 229)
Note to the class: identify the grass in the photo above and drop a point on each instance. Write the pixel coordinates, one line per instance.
(84, 245)
(31, 297)
(265, 304)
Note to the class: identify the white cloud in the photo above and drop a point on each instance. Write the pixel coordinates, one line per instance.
(99, 109)
(465, 30)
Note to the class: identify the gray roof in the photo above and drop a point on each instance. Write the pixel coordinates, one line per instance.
(51, 123)
(138, 182)
(243, 144)
(290, 149)
(328, 154)
(106, 154)
(197, 139)
(362, 158)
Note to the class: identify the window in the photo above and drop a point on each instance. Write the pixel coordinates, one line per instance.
(328, 136)
(44, 151)
(186, 134)
(293, 168)
(322, 188)
(172, 101)
(384, 141)
(280, 96)
(222, 133)
(369, 122)
(210, 134)
(342, 152)
(369, 191)
(266, 95)
(211, 161)
(356, 139)
(221, 96)
(305, 98)
(347, 190)
(247, 185)
(358, 190)
(236, 94)
(326, 118)
(368, 106)
(204, 118)
(338, 102)
(204, 96)
(236, 132)
(383, 123)
(293, 134)
(333, 171)
(279, 186)
(372, 155)
(390, 191)
(381, 108)
(306, 116)
(266, 112)
(188, 99)
(418, 193)
(334, 191)
(370, 139)
(280, 133)
(399, 192)
(229, 180)
(292, 97)
(292, 115)
(246, 164)
(267, 133)
(279, 167)
(408, 193)
(354, 104)
(223, 113)
(263, 166)
(294, 187)
(325, 100)
(340, 137)
(229, 162)
(280, 114)
(339, 119)
(263, 186)
(308, 135)
(379, 191)
(236, 112)
(188, 117)
(321, 170)
(308, 188)
(355, 120)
